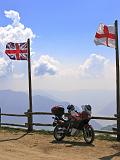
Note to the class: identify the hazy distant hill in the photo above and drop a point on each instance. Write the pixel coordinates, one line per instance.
(17, 102)
(42, 103)
(109, 109)
(95, 124)
(109, 127)
(11, 101)
(99, 99)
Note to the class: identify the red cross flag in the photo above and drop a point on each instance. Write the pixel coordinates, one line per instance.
(105, 35)
(17, 51)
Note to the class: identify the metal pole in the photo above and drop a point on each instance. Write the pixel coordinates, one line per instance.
(117, 79)
(30, 119)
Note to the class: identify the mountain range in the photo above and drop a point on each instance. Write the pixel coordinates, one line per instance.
(17, 102)
(109, 127)
(102, 101)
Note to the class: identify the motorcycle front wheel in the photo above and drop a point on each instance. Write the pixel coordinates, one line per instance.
(88, 134)
(59, 133)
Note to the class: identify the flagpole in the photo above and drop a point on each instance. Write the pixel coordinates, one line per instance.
(30, 120)
(117, 79)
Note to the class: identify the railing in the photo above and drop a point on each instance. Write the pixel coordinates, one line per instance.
(94, 117)
(26, 125)
(11, 115)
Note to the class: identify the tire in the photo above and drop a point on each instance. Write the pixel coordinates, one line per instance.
(88, 134)
(59, 133)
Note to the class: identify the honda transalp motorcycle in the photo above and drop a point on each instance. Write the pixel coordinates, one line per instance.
(72, 123)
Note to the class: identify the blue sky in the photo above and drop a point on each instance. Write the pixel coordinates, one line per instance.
(64, 31)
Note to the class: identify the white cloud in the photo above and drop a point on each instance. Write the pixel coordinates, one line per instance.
(15, 32)
(5, 67)
(14, 16)
(17, 76)
(94, 66)
(97, 71)
(45, 65)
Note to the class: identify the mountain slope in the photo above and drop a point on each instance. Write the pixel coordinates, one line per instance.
(13, 102)
(99, 99)
(109, 109)
(17, 102)
(109, 127)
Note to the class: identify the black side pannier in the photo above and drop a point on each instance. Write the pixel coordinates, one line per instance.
(57, 111)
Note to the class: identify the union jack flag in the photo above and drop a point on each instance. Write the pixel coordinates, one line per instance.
(17, 51)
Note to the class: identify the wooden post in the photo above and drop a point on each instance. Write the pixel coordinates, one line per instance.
(117, 79)
(30, 119)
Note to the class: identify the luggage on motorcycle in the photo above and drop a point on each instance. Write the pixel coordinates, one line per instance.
(78, 116)
(57, 110)
(84, 115)
(78, 120)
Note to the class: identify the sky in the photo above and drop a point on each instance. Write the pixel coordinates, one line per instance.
(63, 53)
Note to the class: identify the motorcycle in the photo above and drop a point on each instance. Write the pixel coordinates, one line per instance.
(72, 125)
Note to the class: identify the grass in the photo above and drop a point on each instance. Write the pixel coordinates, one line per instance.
(12, 130)
(16, 130)
(105, 136)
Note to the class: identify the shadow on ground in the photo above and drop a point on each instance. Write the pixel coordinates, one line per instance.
(110, 156)
(13, 139)
(72, 143)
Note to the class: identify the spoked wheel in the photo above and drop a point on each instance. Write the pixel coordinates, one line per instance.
(88, 134)
(59, 133)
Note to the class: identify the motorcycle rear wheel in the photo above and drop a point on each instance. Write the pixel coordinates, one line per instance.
(59, 133)
(88, 134)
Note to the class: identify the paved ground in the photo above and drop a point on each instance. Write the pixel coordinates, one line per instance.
(21, 146)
